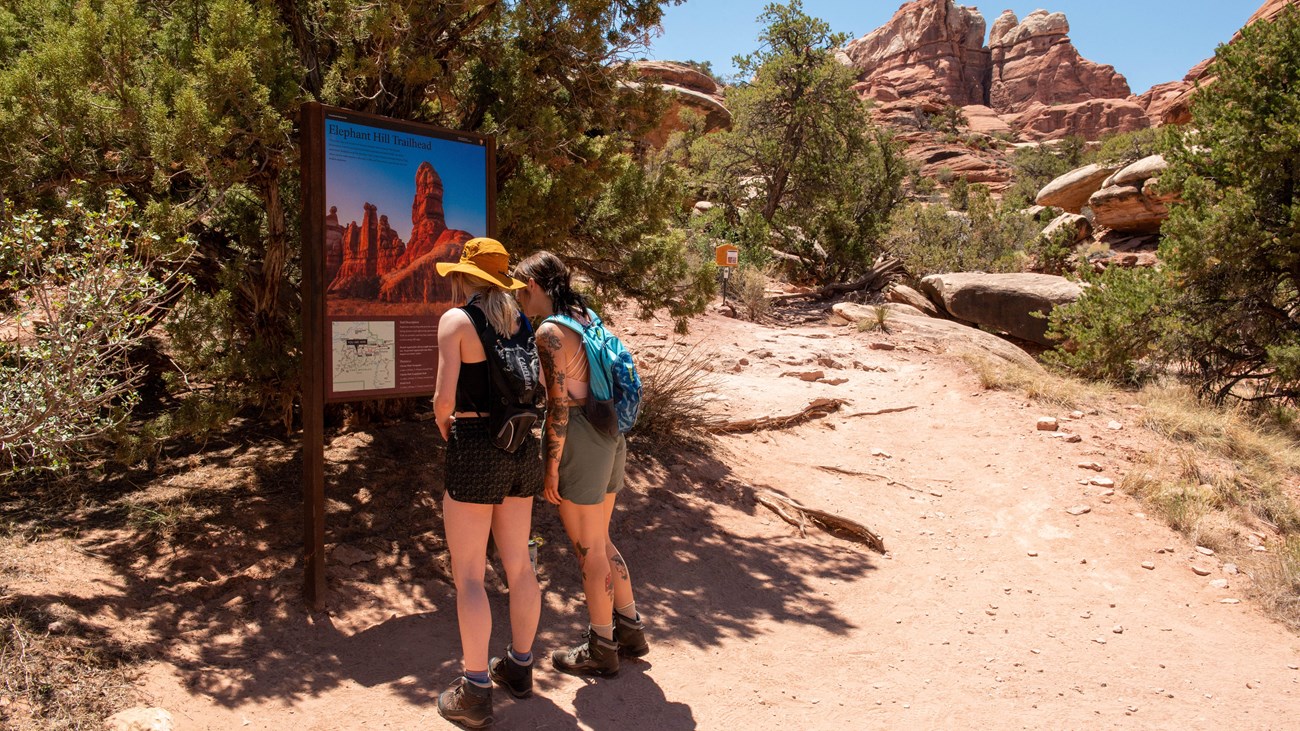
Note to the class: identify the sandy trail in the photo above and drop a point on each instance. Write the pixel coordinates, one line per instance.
(995, 608)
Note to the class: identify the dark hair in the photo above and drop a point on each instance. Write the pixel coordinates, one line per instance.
(553, 277)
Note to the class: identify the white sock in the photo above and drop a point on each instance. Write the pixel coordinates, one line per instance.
(629, 611)
(606, 631)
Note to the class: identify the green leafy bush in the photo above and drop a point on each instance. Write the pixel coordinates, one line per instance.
(86, 289)
(988, 236)
(1115, 330)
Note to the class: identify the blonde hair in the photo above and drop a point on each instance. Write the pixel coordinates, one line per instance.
(499, 305)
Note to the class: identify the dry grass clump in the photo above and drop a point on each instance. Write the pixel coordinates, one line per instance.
(750, 288)
(878, 321)
(1040, 385)
(674, 385)
(1228, 482)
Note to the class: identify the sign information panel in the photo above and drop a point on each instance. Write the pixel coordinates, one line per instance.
(398, 198)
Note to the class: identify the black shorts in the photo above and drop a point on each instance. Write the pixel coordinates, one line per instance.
(479, 472)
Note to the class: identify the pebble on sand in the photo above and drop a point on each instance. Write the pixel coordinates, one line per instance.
(1078, 510)
(1047, 423)
(1149, 565)
(1200, 571)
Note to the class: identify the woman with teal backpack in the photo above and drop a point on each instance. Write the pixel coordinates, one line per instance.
(583, 468)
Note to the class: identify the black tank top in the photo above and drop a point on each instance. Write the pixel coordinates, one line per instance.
(472, 387)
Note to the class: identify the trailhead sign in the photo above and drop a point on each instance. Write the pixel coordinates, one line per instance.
(384, 201)
(398, 199)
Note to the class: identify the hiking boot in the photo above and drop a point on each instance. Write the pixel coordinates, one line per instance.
(595, 656)
(515, 678)
(466, 703)
(630, 636)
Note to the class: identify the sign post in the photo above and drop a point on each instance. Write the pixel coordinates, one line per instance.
(728, 258)
(371, 297)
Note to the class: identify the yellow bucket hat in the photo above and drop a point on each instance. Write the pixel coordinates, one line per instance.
(485, 259)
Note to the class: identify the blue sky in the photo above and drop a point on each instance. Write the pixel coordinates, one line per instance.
(386, 178)
(1149, 41)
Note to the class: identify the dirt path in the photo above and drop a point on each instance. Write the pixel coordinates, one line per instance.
(995, 607)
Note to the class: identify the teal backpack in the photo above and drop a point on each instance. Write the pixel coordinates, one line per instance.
(615, 388)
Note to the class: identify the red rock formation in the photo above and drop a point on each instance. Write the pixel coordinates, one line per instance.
(1159, 99)
(390, 247)
(1034, 61)
(931, 54)
(1270, 10)
(413, 277)
(333, 244)
(959, 161)
(427, 218)
(688, 89)
(929, 49)
(419, 281)
(1091, 120)
(358, 275)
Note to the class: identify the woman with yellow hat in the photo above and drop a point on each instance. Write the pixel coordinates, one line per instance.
(488, 490)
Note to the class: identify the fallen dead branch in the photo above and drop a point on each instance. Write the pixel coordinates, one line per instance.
(888, 480)
(800, 515)
(816, 410)
(885, 269)
(879, 412)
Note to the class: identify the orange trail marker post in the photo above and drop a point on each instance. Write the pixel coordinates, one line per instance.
(728, 259)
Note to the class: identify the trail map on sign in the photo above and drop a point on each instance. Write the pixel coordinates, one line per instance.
(363, 357)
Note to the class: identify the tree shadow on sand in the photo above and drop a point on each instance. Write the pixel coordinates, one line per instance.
(219, 592)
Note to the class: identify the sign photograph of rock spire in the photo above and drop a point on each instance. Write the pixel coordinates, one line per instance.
(378, 260)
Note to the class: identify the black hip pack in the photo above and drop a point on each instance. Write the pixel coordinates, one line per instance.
(514, 384)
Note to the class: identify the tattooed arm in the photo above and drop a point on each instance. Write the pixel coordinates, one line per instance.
(549, 344)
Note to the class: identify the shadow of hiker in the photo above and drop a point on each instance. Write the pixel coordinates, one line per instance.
(633, 701)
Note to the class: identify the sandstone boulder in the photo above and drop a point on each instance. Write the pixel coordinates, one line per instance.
(1078, 227)
(1071, 191)
(1134, 174)
(1125, 208)
(944, 336)
(905, 295)
(140, 719)
(1008, 302)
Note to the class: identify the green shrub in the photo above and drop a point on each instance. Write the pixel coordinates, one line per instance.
(959, 194)
(1126, 147)
(86, 290)
(1113, 331)
(988, 236)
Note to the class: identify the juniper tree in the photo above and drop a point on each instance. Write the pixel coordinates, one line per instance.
(802, 156)
(190, 107)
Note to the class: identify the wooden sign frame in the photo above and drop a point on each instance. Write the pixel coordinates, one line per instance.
(370, 140)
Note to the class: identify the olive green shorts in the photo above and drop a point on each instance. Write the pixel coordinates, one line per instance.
(592, 464)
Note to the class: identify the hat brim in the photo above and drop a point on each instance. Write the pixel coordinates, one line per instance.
(505, 282)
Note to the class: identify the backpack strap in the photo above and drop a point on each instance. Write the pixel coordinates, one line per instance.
(480, 323)
(593, 336)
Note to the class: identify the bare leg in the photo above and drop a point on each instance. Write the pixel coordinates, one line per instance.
(620, 577)
(467, 526)
(588, 529)
(511, 522)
